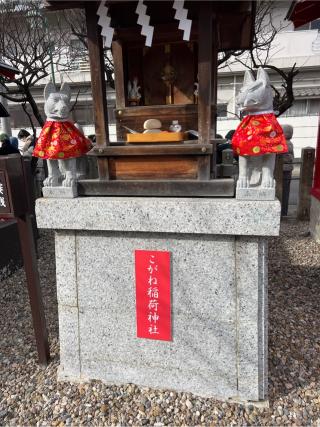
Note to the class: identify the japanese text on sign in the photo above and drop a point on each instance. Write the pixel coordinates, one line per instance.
(153, 294)
(4, 204)
(2, 201)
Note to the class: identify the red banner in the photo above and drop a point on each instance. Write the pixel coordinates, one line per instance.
(153, 302)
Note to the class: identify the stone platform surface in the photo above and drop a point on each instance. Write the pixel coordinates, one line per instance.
(218, 291)
(169, 215)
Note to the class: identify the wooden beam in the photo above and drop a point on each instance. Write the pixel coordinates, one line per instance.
(164, 188)
(29, 255)
(214, 89)
(153, 150)
(214, 74)
(154, 110)
(125, 168)
(204, 72)
(117, 55)
(98, 84)
(306, 175)
(204, 168)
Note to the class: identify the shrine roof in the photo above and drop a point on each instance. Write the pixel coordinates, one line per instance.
(235, 19)
(303, 11)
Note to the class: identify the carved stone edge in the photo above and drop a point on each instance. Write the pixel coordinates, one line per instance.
(60, 192)
(255, 194)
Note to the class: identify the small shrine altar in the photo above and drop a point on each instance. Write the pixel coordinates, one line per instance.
(161, 271)
(161, 51)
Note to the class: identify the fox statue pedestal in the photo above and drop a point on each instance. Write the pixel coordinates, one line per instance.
(219, 259)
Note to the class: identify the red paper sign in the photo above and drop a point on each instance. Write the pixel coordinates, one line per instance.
(153, 303)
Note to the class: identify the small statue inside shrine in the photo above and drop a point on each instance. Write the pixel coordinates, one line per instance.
(196, 92)
(60, 142)
(134, 94)
(258, 138)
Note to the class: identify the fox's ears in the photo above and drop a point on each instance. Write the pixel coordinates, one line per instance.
(263, 75)
(65, 89)
(248, 78)
(49, 89)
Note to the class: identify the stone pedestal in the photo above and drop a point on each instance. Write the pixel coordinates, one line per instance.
(219, 291)
(256, 193)
(60, 192)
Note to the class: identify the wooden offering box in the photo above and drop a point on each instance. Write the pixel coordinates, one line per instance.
(151, 138)
(158, 161)
(170, 76)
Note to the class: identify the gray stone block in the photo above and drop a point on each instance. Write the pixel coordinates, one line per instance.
(69, 343)
(248, 361)
(251, 277)
(219, 291)
(60, 192)
(201, 358)
(164, 215)
(255, 193)
(247, 275)
(66, 265)
(194, 381)
(199, 287)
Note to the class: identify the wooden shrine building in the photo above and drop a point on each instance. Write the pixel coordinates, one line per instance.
(177, 80)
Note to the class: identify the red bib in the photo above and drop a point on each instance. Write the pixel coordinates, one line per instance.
(259, 134)
(60, 140)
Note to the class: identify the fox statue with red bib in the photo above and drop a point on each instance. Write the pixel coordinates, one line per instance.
(257, 139)
(60, 141)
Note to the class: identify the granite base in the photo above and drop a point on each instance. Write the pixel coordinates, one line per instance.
(219, 294)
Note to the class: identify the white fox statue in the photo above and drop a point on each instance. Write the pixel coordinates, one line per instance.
(60, 142)
(258, 138)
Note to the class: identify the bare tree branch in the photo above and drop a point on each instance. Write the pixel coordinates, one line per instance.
(30, 40)
(24, 107)
(76, 20)
(261, 54)
(75, 102)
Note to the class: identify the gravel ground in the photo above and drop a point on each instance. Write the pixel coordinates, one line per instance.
(30, 395)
